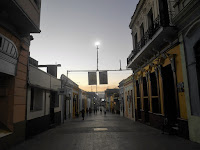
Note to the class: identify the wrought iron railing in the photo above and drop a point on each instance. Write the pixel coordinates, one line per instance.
(147, 36)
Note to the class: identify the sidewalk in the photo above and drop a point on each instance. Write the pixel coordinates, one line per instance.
(110, 132)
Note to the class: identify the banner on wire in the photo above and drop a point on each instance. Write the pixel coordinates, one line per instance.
(103, 77)
(92, 78)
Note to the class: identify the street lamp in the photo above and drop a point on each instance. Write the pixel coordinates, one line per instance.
(97, 45)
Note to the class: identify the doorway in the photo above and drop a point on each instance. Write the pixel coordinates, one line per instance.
(65, 110)
(138, 100)
(52, 105)
(170, 107)
(146, 99)
(6, 88)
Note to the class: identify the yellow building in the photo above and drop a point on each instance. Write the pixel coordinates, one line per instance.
(75, 104)
(156, 63)
(112, 103)
(109, 97)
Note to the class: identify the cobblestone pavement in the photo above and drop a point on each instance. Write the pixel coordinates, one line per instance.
(110, 132)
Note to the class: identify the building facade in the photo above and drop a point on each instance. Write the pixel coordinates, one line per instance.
(186, 19)
(109, 98)
(76, 101)
(68, 109)
(43, 102)
(121, 97)
(156, 63)
(129, 106)
(18, 19)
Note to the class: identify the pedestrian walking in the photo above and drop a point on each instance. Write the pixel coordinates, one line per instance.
(83, 113)
(87, 111)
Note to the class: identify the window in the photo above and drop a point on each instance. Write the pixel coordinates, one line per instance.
(0, 41)
(37, 2)
(128, 97)
(32, 98)
(150, 19)
(145, 86)
(9, 50)
(131, 96)
(138, 88)
(154, 88)
(154, 92)
(135, 41)
(55, 98)
(197, 57)
(36, 102)
(142, 30)
(142, 35)
(6, 43)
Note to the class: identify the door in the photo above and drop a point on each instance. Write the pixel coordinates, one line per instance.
(52, 105)
(138, 100)
(170, 107)
(65, 109)
(146, 99)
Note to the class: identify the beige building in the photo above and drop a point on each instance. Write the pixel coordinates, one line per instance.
(18, 18)
(129, 98)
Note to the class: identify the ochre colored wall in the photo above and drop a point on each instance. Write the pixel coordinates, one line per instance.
(17, 100)
(179, 77)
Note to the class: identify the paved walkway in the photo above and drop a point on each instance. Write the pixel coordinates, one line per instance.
(110, 132)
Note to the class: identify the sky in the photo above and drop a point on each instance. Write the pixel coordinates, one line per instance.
(69, 30)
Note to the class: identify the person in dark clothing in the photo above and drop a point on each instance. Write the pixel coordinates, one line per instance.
(87, 111)
(83, 113)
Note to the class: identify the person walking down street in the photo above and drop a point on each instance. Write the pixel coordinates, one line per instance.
(83, 113)
(87, 111)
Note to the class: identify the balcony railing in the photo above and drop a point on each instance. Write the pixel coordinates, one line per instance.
(147, 36)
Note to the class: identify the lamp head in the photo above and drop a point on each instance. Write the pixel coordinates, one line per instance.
(97, 43)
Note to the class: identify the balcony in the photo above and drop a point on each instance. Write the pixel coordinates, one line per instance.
(154, 40)
(22, 16)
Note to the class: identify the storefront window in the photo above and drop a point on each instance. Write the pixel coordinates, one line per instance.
(154, 92)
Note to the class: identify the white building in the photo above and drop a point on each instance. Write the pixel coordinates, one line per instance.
(43, 101)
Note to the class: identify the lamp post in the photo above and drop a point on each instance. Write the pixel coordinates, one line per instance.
(97, 45)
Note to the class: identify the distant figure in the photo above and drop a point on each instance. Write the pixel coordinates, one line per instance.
(101, 110)
(90, 110)
(87, 111)
(83, 113)
(104, 111)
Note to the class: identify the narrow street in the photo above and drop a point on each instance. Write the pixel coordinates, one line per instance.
(100, 132)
